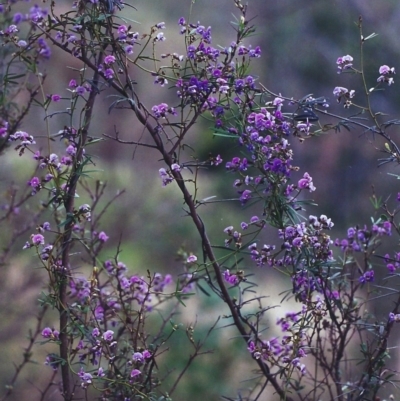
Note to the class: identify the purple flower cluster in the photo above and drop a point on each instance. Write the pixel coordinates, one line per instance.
(209, 92)
(392, 264)
(128, 38)
(24, 139)
(231, 278)
(134, 288)
(364, 239)
(162, 110)
(358, 239)
(284, 353)
(343, 93)
(139, 359)
(386, 74)
(165, 176)
(344, 63)
(368, 276)
(38, 241)
(50, 334)
(53, 164)
(311, 236)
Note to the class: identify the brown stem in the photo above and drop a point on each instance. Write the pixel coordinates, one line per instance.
(67, 241)
(207, 248)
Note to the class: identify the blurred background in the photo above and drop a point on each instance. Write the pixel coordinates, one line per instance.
(300, 44)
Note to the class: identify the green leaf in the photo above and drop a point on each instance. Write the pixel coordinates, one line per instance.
(223, 133)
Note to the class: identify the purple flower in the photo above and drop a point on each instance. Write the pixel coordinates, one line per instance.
(162, 81)
(384, 70)
(18, 17)
(109, 60)
(391, 267)
(367, 277)
(146, 354)
(11, 29)
(339, 92)
(175, 167)
(191, 259)
(80, 90)
(85, 377)
(103, 237)
(255, 52)
(46, 226)
(216, 161)
(55, 98)
(306, 183)
(35, 184)
(246, 195)
(108, 335)
(99, 313)
(244, 225)
(47, 332)
(37, 239)
(386, 74)
(251, 348)
(122, 29)
(297, 242)
(80, 288)
(129, 49)
(254, 219)
(166, 178)
(159, 37)
(44, 49)
(161, 110)
(391, 317)
(109, 73)
(344, 63)
(135, 373)
(24, 137)
(230, 278)
(71, 150)
(138, 357)
(37, 13)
